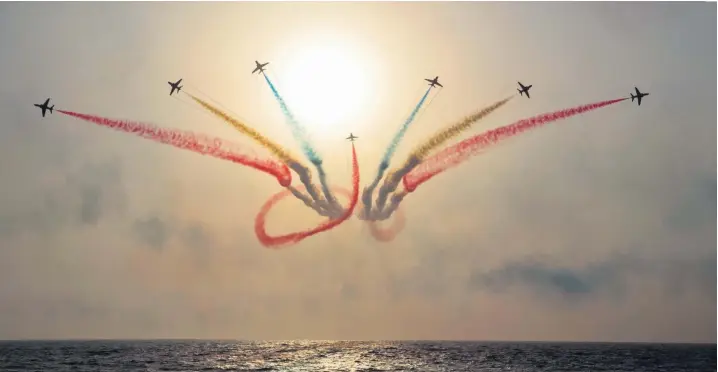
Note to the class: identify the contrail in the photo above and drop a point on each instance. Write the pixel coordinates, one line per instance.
(198, 143)
(458, 153)
(388, 154)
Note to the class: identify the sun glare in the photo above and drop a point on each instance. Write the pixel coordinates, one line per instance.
(325, 86)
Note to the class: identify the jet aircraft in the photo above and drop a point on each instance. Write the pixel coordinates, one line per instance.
(260, 67)
(638, 95)
(175, 86)
(524, 89)
(352, 137)
(434, 82)
(44, 107)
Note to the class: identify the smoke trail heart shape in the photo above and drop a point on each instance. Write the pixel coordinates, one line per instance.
(419, 167)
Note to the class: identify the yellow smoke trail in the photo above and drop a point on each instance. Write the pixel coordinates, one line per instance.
(278, 151)
(438, 139)
(283, 155)
(417, 156)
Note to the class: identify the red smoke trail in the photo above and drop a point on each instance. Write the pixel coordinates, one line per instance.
(388, 234)
(273, 241)
(196, 142)
(379, 233)
(456, 154)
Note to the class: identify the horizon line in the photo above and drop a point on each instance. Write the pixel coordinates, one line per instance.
(714, 343)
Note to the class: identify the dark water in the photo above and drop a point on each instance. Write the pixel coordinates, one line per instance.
(350, 356)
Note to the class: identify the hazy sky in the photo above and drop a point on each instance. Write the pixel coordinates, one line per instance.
(600, 227)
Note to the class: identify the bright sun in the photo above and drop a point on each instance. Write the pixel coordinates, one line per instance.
(325, 85)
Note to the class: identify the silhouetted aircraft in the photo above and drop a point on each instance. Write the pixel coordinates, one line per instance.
(524, 90)
(175, 86)
(638, 95)
(352, 137)
(434, 82)
(44, 107)
(260, 67)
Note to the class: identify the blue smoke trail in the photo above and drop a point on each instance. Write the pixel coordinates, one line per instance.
(369, 190)
(400, 134)
(300, 134)
(297, 130)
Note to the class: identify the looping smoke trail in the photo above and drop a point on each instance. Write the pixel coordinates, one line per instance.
(274, 241)
(388, 154)
(297, 130)
(456, 154)
(388, 234)
(391, 182)
(306, 178)
(321, 209)
(198, 143)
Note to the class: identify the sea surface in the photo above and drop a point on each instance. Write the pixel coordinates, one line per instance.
(351, 356)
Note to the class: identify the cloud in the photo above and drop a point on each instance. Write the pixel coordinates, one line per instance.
(157, 233)
(83, 198)
(696, 207)
(611, 276)
(152, 231)
(195, 236)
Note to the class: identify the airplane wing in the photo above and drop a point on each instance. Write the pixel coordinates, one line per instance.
(46, 102)
(638, 92)
(255, 69)
(178, 81)
(439, 84)
(527, 94)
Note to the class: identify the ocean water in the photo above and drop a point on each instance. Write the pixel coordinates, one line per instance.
(350, 356)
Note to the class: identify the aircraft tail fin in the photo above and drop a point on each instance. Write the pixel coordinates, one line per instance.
(632, 97)
(50, 108)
